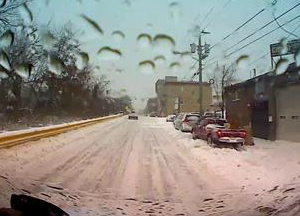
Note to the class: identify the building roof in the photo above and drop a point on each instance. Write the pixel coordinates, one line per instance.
(279, 79)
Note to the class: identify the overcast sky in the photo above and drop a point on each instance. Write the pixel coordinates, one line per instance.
(140, 36)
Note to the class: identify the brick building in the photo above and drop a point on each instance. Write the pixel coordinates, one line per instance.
(181, 96)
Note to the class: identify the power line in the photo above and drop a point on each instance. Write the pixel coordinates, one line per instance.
(262, 27)
(261, 36)
(275, 19)
(245, 23)
(211, 21)
(295, 29)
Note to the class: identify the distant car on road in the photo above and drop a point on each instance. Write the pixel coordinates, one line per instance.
(215, 132)
(186, 121)
(133, 116)
(170, 118)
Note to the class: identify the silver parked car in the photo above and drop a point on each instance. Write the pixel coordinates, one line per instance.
(186, 121)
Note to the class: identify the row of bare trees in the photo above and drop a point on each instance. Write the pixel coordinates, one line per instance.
(43, 70)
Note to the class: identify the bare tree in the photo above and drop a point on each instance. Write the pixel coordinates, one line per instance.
(222, 77)
(9, 14)
(67, 46)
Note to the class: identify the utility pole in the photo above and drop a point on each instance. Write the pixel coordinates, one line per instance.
(201, 55)
(200, 75)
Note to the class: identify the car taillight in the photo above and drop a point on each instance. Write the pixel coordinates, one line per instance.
(185, 121)
(244, 134)
(219, 133)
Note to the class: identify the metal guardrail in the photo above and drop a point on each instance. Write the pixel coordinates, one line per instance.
(10, 139)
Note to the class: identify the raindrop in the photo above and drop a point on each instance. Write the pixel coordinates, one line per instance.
(297, 58)
(108, 54)
(26, 13)
(159, 60)
(7, 39)
(118, 36)
(175, 11)
(196, 31)
(147, 67)
(23, 70)
(164, 44)
(3, 3)
(175, 66)
(144, 40)
(92, 23)
(3, 75)
(47, 38)
(127, 3)
(281, 65)
(241, 61)
(85, 57)
(4, 61)
(82, 60)
(55, 65)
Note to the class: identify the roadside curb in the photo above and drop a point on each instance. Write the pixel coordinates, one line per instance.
(10, 139)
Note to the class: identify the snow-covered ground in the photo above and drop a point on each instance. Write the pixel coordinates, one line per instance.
(270, 169)
(146, 167)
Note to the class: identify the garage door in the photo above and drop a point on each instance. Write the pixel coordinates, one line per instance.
(288, 113)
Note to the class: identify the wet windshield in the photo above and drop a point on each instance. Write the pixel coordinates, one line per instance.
(88, 89)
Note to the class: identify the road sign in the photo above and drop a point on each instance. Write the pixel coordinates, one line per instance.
(277, 49)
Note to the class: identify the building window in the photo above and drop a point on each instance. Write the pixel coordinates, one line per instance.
(295, 117)
(282, 117)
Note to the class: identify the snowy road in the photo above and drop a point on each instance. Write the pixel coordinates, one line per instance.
(141, 167)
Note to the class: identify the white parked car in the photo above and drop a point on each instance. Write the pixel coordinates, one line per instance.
(170, 118)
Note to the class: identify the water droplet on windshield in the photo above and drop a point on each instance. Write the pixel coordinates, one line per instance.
(23, 71)
(175, 66)
(4, 62)
(93, 24)
(144, 40)
(7, 39)
(55, 65)
(147, 67)
(164, 44)
(118, 36)
(127, 3)
(82, 60)
(109, 54)
(297, 58)
(281, 65)
(26, 13)
(3, 75)
(47, 37)
(241, 62)
(159, 60)
(175, 11)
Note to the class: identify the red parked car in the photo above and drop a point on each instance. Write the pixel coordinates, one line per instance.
(215, 132)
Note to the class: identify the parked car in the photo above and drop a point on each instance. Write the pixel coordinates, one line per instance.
(133, 116)
(170, 118)
(153, 114)
(186, 121)
(215, 132)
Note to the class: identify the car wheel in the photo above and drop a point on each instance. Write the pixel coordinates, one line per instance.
(194, 135)
(210, 141)
(238, 147)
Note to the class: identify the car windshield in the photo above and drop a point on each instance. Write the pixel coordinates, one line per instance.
(89, 90)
